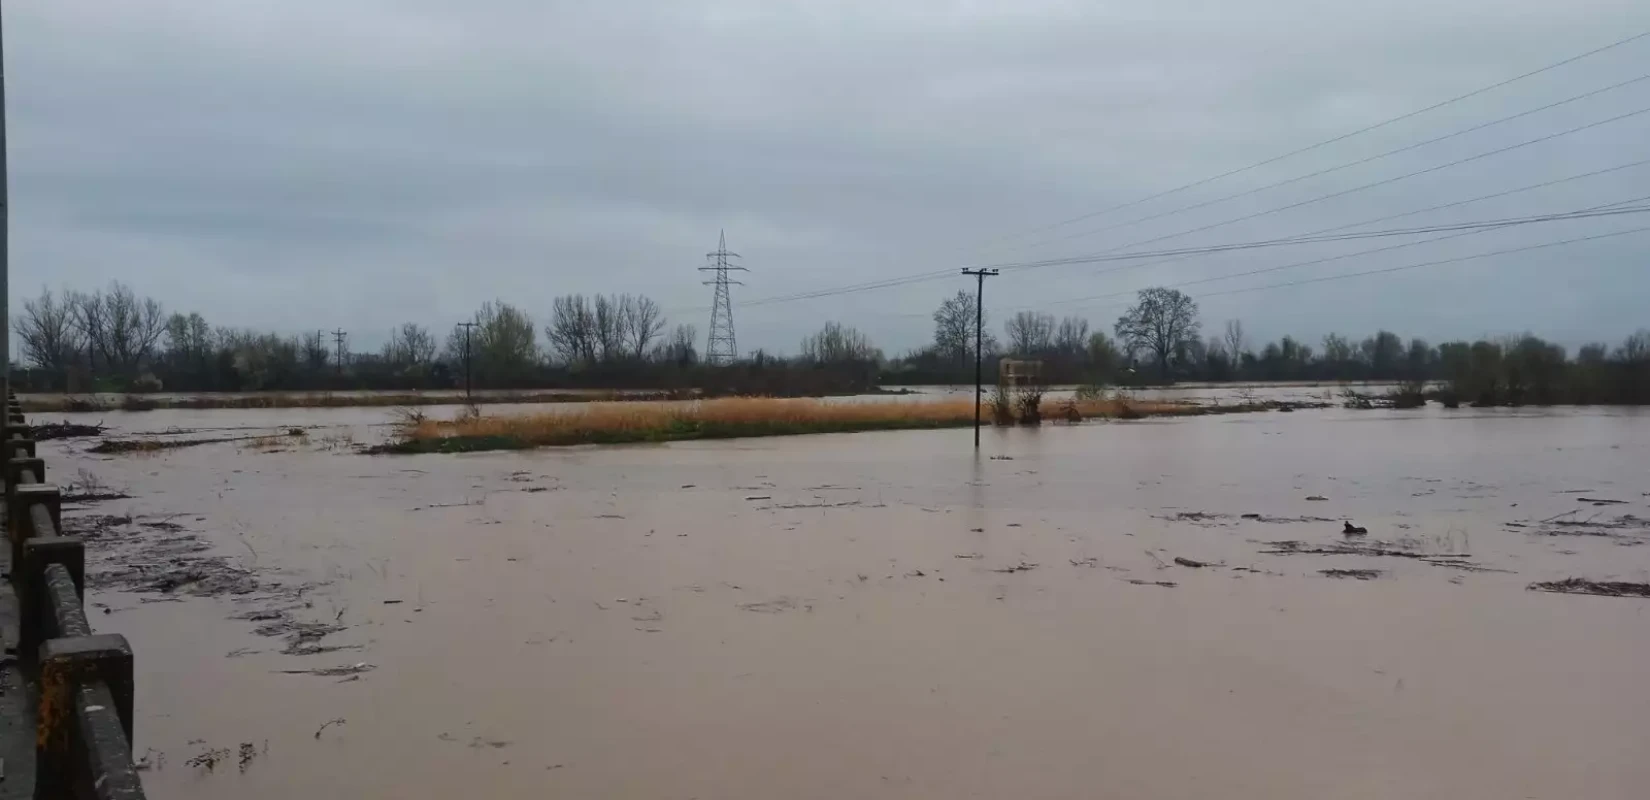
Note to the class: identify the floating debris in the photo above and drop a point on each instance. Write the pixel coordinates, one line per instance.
(1186, 562)
(1023, 566)
(43, 432)
(333, 672)
(1290, 547)
(1585, 586)
(209, 760)
(1360, 574)
(778, 605)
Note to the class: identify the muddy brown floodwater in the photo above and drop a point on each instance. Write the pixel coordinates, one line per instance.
(1142, 610)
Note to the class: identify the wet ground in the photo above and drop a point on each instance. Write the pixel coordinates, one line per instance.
(1076, 612)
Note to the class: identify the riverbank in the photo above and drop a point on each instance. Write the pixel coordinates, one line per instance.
(621, 423)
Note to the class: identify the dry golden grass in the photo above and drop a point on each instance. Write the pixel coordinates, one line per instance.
(723, 418)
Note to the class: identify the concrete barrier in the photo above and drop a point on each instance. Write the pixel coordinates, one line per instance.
(83, 711)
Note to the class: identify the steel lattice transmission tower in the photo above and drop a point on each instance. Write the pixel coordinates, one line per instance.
(721, 348)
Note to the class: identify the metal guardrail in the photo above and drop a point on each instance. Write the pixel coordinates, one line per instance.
(83, 724)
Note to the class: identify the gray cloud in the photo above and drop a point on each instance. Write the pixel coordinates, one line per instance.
(311, 164)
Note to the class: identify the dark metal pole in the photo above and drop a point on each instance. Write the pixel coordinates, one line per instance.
(5, 263)
(979, 340)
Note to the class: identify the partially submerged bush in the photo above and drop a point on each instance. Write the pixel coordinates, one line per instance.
(1028, 405)
(133, 402)
(1002, 406)
(1409, 394)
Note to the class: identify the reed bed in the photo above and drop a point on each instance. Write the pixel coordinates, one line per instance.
(612, 423)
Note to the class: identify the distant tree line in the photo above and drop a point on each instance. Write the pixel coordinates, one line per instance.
(1160, 340)
(115, 341)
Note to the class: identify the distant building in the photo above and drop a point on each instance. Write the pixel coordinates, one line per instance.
(1019, 373)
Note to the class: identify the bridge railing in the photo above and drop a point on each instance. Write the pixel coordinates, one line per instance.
(83, 712)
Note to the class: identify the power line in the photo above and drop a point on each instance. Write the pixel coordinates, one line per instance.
(1440, 207)
(1315, 238)
(928, 276)
(1347, 165)
(1611, 209)
(1387, 270)
(1330, 141)
(1597, 211)
(1386, 181)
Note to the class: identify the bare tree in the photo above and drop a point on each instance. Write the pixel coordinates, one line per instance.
(118, 326)
(313, 350)
(954, 326)
(1234, 339)
(678, 349)
(188, 338)
(1072, 336)
(643, 323)
(47, 332)
(609, 316)
(572, 330)
(1337, 351)
(1216, 362)
(837, 344)
(411, 345)
(1162, 322)
(1030, 333)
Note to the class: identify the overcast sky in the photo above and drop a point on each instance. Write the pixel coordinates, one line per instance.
(310, 164)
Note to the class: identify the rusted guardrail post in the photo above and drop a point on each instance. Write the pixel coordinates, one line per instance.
(83, 747)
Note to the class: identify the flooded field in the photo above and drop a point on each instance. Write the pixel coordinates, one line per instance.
(1155, 609)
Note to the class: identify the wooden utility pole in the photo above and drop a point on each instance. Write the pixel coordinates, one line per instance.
(467, 326)
(979, 338)
(338, 340)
